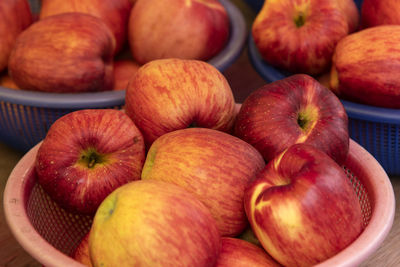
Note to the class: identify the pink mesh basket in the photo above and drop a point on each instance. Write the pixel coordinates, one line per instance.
(50, 234)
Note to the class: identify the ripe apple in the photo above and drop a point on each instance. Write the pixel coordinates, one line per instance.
(365, 67)
(300, 36)
(153, 223)
(81, 253)
(87, 154)
(124, 70)
(115, 13)
(171, 94)
(187, 29)
(15, 17)
(379, 12)
(70, 52)
(213, 165)
(297, 109)
(302, 207)
(239, 253)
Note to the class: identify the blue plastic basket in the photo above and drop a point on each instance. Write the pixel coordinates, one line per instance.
(376, 129)
(25, 116)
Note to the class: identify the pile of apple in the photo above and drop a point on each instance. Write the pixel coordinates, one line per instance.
(354, 52)
(178, 177)
(96, 45)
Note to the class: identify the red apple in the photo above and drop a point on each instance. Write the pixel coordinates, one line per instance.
(239, 253)
(213, 165)
(115, 13)
(379, 12)
(365, 67)
(81, 253)
(300, 36)
(171, 94)
(70, 52)
(303, 208)
(15, 17)
(87, 154)
(124, 70)
(297, 109)
(153, 223)
(187, 29)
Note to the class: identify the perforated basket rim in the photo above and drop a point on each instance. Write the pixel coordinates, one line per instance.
(231, 51)
(353, 110)
(379, 188)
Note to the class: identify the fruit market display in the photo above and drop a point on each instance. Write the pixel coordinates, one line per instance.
(183, 172)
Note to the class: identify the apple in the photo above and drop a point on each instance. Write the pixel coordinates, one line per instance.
(300, 37)
(187, 29)
(365, 67)
(379, 12)
(115, 13)
(86, 154)
(15, 17)
(81, 252)
(124, 70)
(296, 109)
(172, 94)
(213, 165)
(302, 207)
(153, 223)
(239, 253)
(70, 52)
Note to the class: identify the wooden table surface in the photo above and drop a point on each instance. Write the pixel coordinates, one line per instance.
(243, 80)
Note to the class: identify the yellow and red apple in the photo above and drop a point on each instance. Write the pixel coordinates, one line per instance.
(240, 253)
(87, 154)
(153, 223)
(171, 94)
(297, 109)
(379, 12)
(187, 29)
(115, 13)
(124, 70)
(69, 52)
(215, 166)
(365, 67)
(300, 36)
(303, 208)
(15, 17)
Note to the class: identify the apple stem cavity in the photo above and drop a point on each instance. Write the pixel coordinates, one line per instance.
(90, 158)
(300, 20)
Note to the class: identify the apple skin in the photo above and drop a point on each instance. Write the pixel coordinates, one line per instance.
(239, 253)
(86, 154)
(297, 109)
(379, 12)
(46, 55)
(171, 94)
(213, 165)
(365, 67)
(302, 207)
(153, 223)
(187, 29)
(301, 37)
(115, 13)
(15, 17)
(124, 70)
(81, 253)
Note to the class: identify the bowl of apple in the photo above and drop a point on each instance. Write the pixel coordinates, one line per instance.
(94, 74)
(177, 178)
(373, 118)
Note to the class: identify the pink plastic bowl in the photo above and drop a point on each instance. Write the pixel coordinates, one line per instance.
(50, 234)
